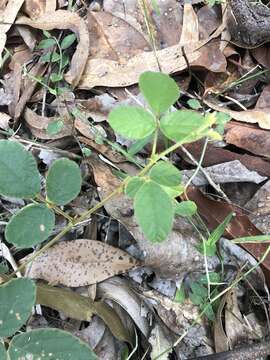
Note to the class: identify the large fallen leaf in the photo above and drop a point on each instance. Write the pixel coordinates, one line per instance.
(80, 262)
(38, 125)
(249, 116)
(248, 137)
(7, 18)
(216, 155)
(66, 20)
(105, 72)
(118, 290)
(81, 308)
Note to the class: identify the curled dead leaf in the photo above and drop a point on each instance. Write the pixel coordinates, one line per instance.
(80, 262)
(66, 20)
(39, 124)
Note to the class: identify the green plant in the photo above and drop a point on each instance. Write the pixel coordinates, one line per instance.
(154, 191)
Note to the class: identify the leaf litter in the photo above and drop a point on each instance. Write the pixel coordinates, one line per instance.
(144, 293)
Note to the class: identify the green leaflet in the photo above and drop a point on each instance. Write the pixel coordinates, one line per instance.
(63, 182)
(154, 211)
(49, 344)
(19, 176)
(164, 173)
(159, 89)
(132, 122)
(17, 297)
(30, 226)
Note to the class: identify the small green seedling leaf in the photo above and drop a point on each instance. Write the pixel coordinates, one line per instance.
(19, 176)
(132, 122)
(46, 34)
(186, 208)
(68, 41)
(164, 173)
(3, 353)
(154, 211)
(159, 89)
(49, 344)
(184, 125)
(55, 127)
(86, 151)
(133, 186)
(63, 182)
(56, 77)
(180, 295)
(30, 226)
(194, 104)
(17, 297)
(221, 121)
(50, 57)
(46, 43)
(210, 243)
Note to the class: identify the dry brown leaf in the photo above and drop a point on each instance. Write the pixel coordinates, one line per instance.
(249, 116)
(4, 121)
(7, 18)
(80, 262)
(248, 137)
(114, 38)
(29, 87)
(119, 291)
(104, 72)
(66, 20)
(190, 29)
(36, 8)
(38, 125)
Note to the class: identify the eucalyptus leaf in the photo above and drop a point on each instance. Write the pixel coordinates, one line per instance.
(30, 226)
(164, 173)
(132, 122)
(63, 182)
(19, 176)
(17, 297)
(184, 125)
(49, 344)
(154, 211)
(159, 89)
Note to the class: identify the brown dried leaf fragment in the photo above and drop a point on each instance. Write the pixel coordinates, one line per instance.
(66, 20)
(80, 262)
(38, 125)
(7, 18)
